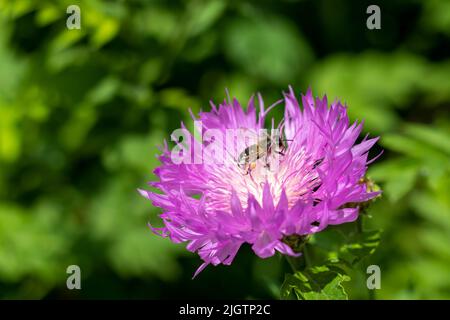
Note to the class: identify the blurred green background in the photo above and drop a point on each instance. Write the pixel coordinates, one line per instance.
(82, 112)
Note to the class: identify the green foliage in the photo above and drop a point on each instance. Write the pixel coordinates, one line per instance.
(83, 111)
(246, 38)
(330, 258)
(417, 183)
(359, 246)
(316, 283)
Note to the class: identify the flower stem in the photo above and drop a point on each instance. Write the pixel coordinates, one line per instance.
(298, 263)
(292, 263)
(306, 255)
(359, 224)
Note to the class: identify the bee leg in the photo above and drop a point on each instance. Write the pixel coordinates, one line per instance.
(248, 168)
(251, 166)
(281, 151)
(253, 179)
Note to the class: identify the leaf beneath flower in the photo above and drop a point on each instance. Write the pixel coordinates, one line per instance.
(315, 283)
(360, 246)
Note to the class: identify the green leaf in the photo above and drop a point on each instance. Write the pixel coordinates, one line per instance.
(384, 171)
(431, 136)
(432, 208)
(106, 31)
(436, 240)
(413, 148)
(316, 283)
(400, 183)
(436, 15)
(178, 98)
(268, 48)
(345, 245)
(206, 14)
(360, 246)
(131, 249)
(104, 91)
(40, 250)
(158, 22)
(48, 14)
(399, 175)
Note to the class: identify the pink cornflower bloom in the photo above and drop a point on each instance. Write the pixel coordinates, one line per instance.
(217, 207)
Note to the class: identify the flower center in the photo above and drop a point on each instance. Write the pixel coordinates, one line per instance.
(292, 171)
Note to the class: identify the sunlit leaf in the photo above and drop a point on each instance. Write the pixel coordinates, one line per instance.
(430, 135)
(268, 47)
(316, 283)
(206, 13)
(360, 246)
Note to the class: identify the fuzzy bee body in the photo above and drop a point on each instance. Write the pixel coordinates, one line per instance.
(263, 148)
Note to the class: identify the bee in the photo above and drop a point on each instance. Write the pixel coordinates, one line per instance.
(263, 148)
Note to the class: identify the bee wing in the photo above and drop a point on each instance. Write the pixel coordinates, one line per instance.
(249, 137)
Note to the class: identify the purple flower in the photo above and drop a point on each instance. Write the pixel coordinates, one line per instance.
(217, 207)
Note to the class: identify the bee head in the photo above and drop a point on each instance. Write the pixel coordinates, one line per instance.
(242, 160)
